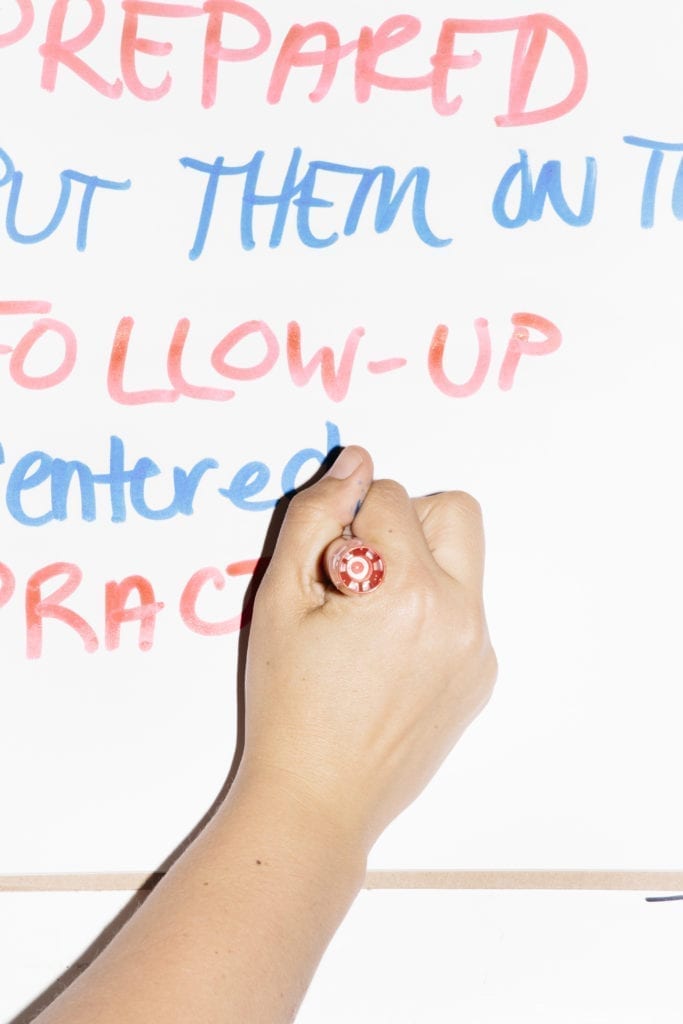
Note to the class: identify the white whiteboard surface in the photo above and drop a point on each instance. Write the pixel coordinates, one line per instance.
(109, 758)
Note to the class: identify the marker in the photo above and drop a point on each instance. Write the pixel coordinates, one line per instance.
(354, 567)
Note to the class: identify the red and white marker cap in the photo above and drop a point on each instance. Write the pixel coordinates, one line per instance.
(356, 568)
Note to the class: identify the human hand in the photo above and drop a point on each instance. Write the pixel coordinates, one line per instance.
(352, 702)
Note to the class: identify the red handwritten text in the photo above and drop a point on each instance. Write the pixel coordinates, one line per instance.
(315, 49)
(251, 350)
(48, 594)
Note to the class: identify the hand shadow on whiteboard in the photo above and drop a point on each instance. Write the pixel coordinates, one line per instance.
(48, 995)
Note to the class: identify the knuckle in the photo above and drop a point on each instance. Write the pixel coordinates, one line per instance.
(476, 656)
(472, 631)
(388, 492)
(304, 506)
(463, 503)
(472, 634)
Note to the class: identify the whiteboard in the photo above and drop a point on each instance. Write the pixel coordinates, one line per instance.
(182, 230)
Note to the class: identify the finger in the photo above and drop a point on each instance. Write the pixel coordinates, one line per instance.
(315, 517)
(389, 524)
(453, 529)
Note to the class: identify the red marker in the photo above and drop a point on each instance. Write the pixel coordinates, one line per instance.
(355, 568)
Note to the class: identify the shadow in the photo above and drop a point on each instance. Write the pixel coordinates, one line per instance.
(48, 995)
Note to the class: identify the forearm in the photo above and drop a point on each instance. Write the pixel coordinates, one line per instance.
(351, 705)
(236, 929)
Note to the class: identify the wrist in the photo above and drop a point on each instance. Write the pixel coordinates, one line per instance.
(297, 832)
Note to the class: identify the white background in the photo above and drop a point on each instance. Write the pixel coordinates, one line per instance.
(108, 759)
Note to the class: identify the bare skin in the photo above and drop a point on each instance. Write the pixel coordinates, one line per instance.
(352, 703)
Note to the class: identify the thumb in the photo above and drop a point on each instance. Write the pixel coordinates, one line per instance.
(315, 517)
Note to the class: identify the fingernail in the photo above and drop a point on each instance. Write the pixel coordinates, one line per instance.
(346, 464)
